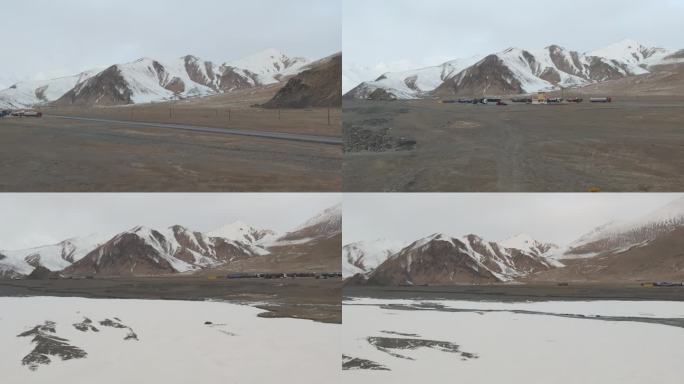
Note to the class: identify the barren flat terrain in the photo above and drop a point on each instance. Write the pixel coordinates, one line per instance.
(307, 298)
(234, 110)
(218, 143)
(521, 292)
(56, 154)
(632, 144)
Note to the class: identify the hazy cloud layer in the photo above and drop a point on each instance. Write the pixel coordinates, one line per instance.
(57, 38)
(382, 34)
(30, 220)
(556, 217)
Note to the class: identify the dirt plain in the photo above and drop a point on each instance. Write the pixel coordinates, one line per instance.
(521, 292)
(238, 109)
(305, 298)
(632, 144)
(52, 154)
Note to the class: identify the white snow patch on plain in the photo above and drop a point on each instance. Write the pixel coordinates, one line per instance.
(520, 348)
(174, 347)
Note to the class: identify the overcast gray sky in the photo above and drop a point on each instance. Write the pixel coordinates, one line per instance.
(381, 35)
(56, 38)
(30, 220)
(555, 217)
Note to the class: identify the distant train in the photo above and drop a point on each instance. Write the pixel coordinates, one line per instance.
(601, 99)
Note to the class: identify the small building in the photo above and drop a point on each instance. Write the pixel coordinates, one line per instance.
(540, 98)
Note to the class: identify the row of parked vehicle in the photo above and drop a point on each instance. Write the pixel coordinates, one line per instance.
(485, 100)
(317, 275)
(20, 113)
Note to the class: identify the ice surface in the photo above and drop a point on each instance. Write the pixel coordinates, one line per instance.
(519, 348)
(174, 345)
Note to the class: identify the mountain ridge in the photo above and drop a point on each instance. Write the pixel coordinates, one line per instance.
(519, 71)
(148, 80)
(142, 250)
(646, 248)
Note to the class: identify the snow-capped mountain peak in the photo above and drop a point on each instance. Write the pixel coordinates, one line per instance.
(237, 231)
(528, 244)
(364, 256)
(53, 257)
(621, 235)
(269, 65)
(626, 50)
(519, 241)
(332, 216)
(632, 55)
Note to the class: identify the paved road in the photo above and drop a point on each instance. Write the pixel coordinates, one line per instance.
(222, 131)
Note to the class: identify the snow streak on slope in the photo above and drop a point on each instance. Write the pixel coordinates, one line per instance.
(149, 84)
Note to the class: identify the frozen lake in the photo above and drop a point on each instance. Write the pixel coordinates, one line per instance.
(391, 341)
(71, 340)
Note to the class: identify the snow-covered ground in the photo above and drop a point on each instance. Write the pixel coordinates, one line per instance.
(513, 347)
(174, 345)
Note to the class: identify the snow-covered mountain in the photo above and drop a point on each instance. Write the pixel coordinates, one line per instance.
(443, 259)
(516, 71)
(617, 237)
(632, 54)
(148, 251)
(145, 251)
(24, 94)
(54, 257)
(141, 250)
(364, 256)
(646, 249)
(413, 83)
(150, 80)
